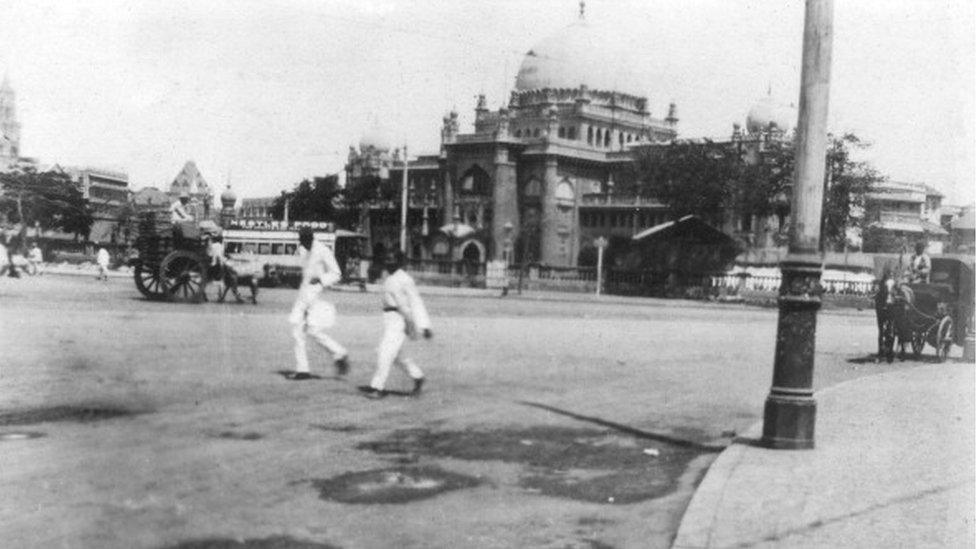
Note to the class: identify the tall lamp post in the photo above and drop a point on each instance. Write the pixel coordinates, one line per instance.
(790, 411)
(403, 203)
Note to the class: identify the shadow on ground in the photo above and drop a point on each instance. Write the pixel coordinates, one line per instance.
(81, 414)
(275, 542)
(599, 466)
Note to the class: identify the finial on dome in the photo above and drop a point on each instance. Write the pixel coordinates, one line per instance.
(582, 5)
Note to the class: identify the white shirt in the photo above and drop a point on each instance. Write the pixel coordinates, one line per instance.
(400, 292)
(177, 212)
(102, 257)
(319, 264)
(35, 255)
(216, 253)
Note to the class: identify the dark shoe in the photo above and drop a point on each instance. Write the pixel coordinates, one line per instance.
(418, 385)
(375, 394)
(299, 376)
(342, 366)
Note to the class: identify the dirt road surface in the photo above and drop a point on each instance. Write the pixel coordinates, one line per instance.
(133, 424)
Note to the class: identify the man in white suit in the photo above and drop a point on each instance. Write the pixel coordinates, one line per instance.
(311, 312)
(404, 315)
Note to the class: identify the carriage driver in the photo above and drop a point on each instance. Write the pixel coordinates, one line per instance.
(920, 266)
(178, 211)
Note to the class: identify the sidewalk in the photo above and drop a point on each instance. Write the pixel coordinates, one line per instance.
(893, 467)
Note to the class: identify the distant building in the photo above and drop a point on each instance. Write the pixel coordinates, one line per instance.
(107, 192)
(964, 231)
(255, 209)
(900, 214)
(537, 180)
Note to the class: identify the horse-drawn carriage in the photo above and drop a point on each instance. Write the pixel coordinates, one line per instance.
(173, 262)
(935, 313)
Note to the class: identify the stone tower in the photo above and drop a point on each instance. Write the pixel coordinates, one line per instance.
(9, 127)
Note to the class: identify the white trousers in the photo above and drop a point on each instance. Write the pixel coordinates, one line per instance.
(390, 351)
(312, 315)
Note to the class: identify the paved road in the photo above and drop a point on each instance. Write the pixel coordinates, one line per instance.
(568, 424)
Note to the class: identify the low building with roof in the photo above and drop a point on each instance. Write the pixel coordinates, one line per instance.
(898, 214)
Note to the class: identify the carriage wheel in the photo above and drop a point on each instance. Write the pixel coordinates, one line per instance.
(944, 339)
(148, 281)
(184, 276)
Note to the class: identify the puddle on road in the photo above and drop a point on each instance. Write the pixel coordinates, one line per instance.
(395, 485)
(81, 414)
(581, 464)
(233, 435)
(20, 435)
(275, 542)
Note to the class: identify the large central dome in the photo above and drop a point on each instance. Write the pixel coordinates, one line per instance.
(577, 55)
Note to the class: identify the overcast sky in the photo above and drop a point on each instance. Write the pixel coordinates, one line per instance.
(268, 92)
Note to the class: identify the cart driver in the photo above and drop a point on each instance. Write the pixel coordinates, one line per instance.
(178, 211)
(920, 266)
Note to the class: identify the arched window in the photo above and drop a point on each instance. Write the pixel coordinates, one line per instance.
(475, 181)
(535, 133)
(599, 137)
(565, 195)
(589, 135)
(620, 138)
(562, 132)
(606, 139)
(518, 133)
(571, 133)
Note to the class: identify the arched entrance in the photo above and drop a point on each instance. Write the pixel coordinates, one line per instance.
(472, 256)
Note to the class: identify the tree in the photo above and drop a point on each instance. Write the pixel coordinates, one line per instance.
(847, 185)
(50, 199)
(689, 178)
(310, 200)
(709, 179)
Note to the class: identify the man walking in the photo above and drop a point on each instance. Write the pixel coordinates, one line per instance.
(102, 259)
(311, 312)
(404, 315)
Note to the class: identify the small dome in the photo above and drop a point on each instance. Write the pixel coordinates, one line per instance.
(376, 137)
(228, 198)
(580, 54)
(767, 111)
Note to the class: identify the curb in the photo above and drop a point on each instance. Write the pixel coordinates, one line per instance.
(700, 519)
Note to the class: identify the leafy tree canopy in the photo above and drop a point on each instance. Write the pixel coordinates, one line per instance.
(711, 179)
(50, 199)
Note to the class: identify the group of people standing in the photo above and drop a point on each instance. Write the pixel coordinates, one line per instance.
(404, 316)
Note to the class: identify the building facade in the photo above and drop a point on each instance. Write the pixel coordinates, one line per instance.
(190, 181)
(899, 214)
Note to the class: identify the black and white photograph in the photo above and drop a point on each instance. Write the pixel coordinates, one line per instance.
(450, 274)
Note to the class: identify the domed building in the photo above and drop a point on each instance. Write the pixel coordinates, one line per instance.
(539, 178)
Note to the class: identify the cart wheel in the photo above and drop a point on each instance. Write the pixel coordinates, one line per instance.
(944, 339)
(148, 281)
(918, 343)
(184, 276)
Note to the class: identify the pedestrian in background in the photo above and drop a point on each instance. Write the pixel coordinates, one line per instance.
(312, 313)
(36, 259)
(102, 259)
(404, 315)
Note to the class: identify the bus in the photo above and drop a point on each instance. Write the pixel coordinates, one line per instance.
(277, 249)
